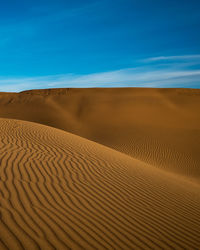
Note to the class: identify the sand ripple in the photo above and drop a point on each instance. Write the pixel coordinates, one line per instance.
(60, 191)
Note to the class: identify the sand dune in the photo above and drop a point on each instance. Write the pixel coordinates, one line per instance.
(61, 191)
(158, 126)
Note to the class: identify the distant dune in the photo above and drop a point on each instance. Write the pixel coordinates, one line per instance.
(158, 126)
(113, 169)
(61, 191)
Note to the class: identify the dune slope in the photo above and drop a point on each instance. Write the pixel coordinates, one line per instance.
(61, 191)
(158, 126)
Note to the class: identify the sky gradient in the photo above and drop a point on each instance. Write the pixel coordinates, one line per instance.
(102, 43)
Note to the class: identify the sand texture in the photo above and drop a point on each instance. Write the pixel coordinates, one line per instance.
(158, 126)
(68, 186)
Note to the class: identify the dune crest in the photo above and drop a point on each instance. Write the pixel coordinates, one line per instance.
(61, 191)
(158, 126)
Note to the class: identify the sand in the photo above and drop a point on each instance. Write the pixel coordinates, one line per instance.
(158, 126)
(60, 190)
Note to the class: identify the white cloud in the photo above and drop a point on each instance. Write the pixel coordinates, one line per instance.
(141, 77)
(149, 75)
(170, 58)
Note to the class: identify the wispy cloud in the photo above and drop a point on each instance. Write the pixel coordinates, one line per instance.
(178, 74)
(120, 78)
(172, 58)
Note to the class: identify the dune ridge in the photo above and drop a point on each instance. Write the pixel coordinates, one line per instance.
(158, 126)
(61, 191)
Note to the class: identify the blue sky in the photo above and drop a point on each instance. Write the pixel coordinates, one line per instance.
(99, 43)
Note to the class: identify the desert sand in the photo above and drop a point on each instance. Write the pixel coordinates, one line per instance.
(100, 169)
